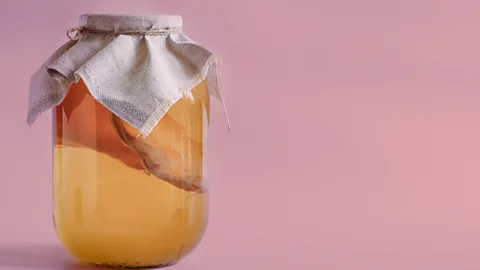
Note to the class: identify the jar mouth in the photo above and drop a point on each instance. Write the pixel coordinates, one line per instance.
(126, 22)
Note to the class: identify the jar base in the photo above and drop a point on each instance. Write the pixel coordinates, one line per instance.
(139, 266)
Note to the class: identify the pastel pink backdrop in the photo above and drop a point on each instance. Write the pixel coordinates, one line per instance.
(355, 141)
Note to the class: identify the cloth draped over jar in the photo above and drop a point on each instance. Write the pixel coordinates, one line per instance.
(136, 66)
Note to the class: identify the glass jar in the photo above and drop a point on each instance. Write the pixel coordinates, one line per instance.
(124, 200)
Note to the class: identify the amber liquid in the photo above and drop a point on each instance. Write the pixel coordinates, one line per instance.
(108, 210)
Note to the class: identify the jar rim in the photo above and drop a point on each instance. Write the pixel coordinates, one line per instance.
(127, 22)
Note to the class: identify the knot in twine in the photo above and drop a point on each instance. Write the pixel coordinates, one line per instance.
(76, 32)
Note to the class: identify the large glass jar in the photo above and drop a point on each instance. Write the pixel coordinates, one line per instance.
(121, 199)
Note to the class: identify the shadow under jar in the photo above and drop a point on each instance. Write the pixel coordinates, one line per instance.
(124, 200)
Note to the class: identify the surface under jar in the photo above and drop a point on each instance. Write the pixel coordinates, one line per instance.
(110, 205)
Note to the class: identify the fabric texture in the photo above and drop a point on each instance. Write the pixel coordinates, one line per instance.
(138, 77)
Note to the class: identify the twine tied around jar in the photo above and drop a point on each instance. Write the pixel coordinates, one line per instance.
(76, 32)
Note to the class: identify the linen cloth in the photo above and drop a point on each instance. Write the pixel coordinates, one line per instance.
(138, 77)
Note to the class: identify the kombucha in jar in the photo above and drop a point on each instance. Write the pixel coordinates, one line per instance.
(124, 200)
(130, 100)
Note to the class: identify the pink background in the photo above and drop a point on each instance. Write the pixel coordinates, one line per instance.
(355, 141)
